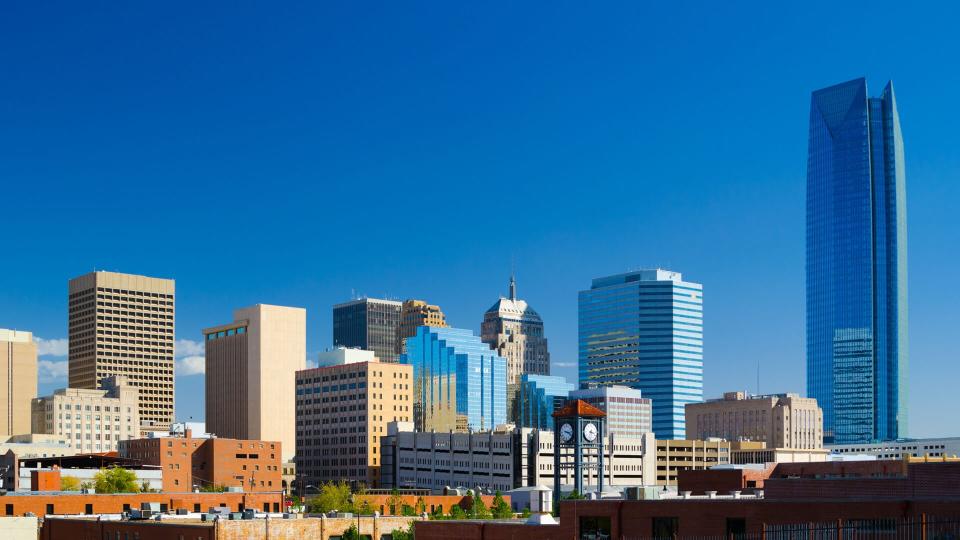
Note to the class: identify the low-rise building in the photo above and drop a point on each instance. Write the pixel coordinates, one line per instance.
(499, 460)
(90, 420)
(188, 462)
(342, 410)
(674, 456)
(779, 420)
(48, 474)
(933, 447)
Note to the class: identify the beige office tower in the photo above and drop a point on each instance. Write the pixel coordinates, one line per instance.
(90, 420)
(414, 314)
(123, 324)
(18, 380)
(779, 420)
(251, 365)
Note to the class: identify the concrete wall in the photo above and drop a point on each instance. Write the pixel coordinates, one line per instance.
(18, 528)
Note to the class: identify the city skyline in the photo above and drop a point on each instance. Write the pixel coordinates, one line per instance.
(582, 156)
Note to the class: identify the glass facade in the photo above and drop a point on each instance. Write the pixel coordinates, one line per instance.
(537, 397)
(644, 330)
(856, 264)
(459, 383)
(370, 324)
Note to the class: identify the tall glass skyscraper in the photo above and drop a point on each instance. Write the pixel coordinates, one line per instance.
(644, 330)
(459, 384)
(537, 397)
(857, 264)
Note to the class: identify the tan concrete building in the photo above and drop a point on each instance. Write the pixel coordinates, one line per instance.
(90, 420)
(18, 380)
(123, 324)
(250, 368)
(342, 412)
(679, 455)
(780, 420)
(416, 313)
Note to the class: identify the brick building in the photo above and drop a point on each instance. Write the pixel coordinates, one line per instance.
(187, 461)
(42, 504)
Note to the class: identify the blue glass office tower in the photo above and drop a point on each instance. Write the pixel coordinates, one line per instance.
(857, 264)
(459, 384)
(644, 330)
(537, 397)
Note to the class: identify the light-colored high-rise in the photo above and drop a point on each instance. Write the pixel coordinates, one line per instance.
(629, 414)
(342, 412)
(123, 324)
(18, 380)
(90, 420)
(515, 331)
(416, 313)
(780, 420)
(251, 364)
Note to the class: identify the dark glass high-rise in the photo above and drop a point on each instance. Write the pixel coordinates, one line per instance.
(856, 264)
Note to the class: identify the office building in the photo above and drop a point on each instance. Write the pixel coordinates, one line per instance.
(342, 411)
(537, 397)
(459, 383)
(501, 459)
(413, 314)
(856, 264)
(932, 447)
(250, 368)
(190, 463)
(339, 356)
(644, 329)
(629, 414)
(779, 420)
(370, 324)
(18, 380)
(513, 329)
(91, 421)
(123, 324)
(684, 455)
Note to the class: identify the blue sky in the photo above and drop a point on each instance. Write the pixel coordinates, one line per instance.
(293, 153)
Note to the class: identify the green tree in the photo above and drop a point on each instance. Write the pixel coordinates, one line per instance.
(457, 512)
(407, 510)
(69, 483)
(500, 508)
(479, 509)
(575, 496)
(420, 506)
(437, 512)
(352, 533)
(213, 488)
(400, 534)
(395, 501)
(363, 507)
(332, 496)
(116, 480)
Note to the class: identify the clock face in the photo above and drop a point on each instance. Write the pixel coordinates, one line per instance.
(566, 433)
(590, 432)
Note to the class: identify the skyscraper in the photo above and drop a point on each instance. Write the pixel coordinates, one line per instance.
(123, 324)
(413, 314)
(458, 382)
(537, 397)
(857, 264)
(515, 331)
(368, 323)
(18, 380)
(644, 330)
(251, 365)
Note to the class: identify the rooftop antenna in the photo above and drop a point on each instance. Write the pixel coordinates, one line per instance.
(513, 281)
(758, 376)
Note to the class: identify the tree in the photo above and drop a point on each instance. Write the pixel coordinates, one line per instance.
(400, 534)
(437, 512)
(500, 508)
(407, 510)
(574, 496)
(70, 483)
(479, 509)
(457, 512)
(213, 488)
(363, 507)
(352, 533)
(145, 487)
(395, 501)
(332, 496)
(116, 480)
(420, 506)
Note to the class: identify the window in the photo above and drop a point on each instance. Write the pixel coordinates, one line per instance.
(665, 527)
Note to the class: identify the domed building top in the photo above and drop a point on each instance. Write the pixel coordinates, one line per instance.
(511, 308)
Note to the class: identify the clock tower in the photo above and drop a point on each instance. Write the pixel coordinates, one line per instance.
(577, 444)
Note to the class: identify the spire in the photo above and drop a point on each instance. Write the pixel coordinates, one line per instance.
(513, 287)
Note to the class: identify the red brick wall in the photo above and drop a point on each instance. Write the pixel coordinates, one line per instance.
(57, 529)
(45, 480)
(17, 505)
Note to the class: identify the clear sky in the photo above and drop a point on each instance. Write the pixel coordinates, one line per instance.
(291, 154)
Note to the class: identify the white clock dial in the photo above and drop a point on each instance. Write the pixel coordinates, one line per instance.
(590, 432)
(566, 433)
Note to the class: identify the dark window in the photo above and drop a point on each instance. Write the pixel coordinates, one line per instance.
(665, 527)
(88, 508)
(276, 507)
(736, 527)
(196, 507)
(592, 527)
(163, 507)
(9, 509)
(50, 509)
(126, 507)
(266, 507)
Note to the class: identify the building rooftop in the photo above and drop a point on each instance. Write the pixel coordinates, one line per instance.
(651, 274)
